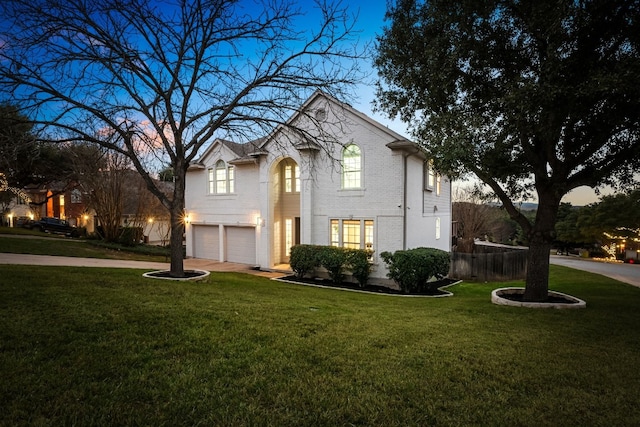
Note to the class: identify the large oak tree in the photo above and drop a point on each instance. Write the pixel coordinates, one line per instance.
(156, 79)
(535, 98)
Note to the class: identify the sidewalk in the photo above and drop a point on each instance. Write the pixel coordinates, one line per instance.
(189, 264)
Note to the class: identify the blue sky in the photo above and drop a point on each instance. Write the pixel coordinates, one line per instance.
(370, 21)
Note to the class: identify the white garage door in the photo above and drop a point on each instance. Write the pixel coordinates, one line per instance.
(206, 242)
(241, 244)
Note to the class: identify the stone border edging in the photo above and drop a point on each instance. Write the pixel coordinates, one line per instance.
(496, 299)
(442, 288)
(204, 276)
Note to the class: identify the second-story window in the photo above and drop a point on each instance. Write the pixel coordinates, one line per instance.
(351, 167)
(221, 178)
(291, 178)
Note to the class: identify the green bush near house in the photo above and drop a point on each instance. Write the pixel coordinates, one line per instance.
(304, 259)
(130, 236)
(412, 269)
(359, 265)
(334, 260)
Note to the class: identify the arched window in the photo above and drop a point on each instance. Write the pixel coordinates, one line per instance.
(351, 167)
(221, 177)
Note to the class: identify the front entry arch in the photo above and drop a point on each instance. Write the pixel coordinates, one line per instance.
(285, 205)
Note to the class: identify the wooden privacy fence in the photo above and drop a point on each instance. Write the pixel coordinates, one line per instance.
(489, 267)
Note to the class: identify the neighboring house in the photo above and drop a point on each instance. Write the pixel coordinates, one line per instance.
(54, 200)
(371, 189)
(13, 208)
(140, 208)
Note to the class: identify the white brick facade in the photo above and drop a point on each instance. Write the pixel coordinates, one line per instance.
(392, 192)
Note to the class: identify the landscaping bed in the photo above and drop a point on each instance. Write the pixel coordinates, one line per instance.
(434, 289)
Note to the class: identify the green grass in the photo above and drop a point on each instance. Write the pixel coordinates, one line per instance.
(81, 346)
(22, 241)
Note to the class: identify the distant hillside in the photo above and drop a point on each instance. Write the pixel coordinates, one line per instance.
(524, 206)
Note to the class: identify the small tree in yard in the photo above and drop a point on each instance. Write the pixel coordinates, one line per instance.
(532, 97)
(472, 216)
(156, 80)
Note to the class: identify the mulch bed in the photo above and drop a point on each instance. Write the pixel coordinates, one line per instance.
(553, 299)
(167, 273)
(375, 289)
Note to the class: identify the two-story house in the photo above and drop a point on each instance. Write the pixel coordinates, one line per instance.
(341, 179)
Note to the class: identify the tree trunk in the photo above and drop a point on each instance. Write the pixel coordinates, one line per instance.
(537, 284)
(176, 210)
(177, 232)
(541, 237)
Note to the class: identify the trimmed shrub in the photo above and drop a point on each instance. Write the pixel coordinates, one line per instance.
(303, 259)
(334, 259)
(358, 264)
(130, 236)
(412, 269)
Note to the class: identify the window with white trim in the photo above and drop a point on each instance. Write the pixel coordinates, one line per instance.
(76, 196)
(351, 167)
(291, 178)
(429, 176)
(221, 178)
(352, 233)
(231, 175)
(211, 180)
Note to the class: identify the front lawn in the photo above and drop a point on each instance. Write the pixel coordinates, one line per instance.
(82, 346)
(22, 241)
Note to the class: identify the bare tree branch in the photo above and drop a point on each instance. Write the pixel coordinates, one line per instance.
(162, 79)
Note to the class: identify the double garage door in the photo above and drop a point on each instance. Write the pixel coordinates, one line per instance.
(239, 243)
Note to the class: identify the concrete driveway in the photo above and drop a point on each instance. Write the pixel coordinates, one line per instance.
(627, 273)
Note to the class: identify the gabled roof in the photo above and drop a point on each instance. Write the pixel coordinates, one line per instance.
(250, 152)
(246, 152)
(320, 94)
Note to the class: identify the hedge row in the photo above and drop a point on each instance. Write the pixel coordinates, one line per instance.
(304, 259)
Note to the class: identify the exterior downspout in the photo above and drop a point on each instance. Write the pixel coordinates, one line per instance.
(404, 200)
(405, 208)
